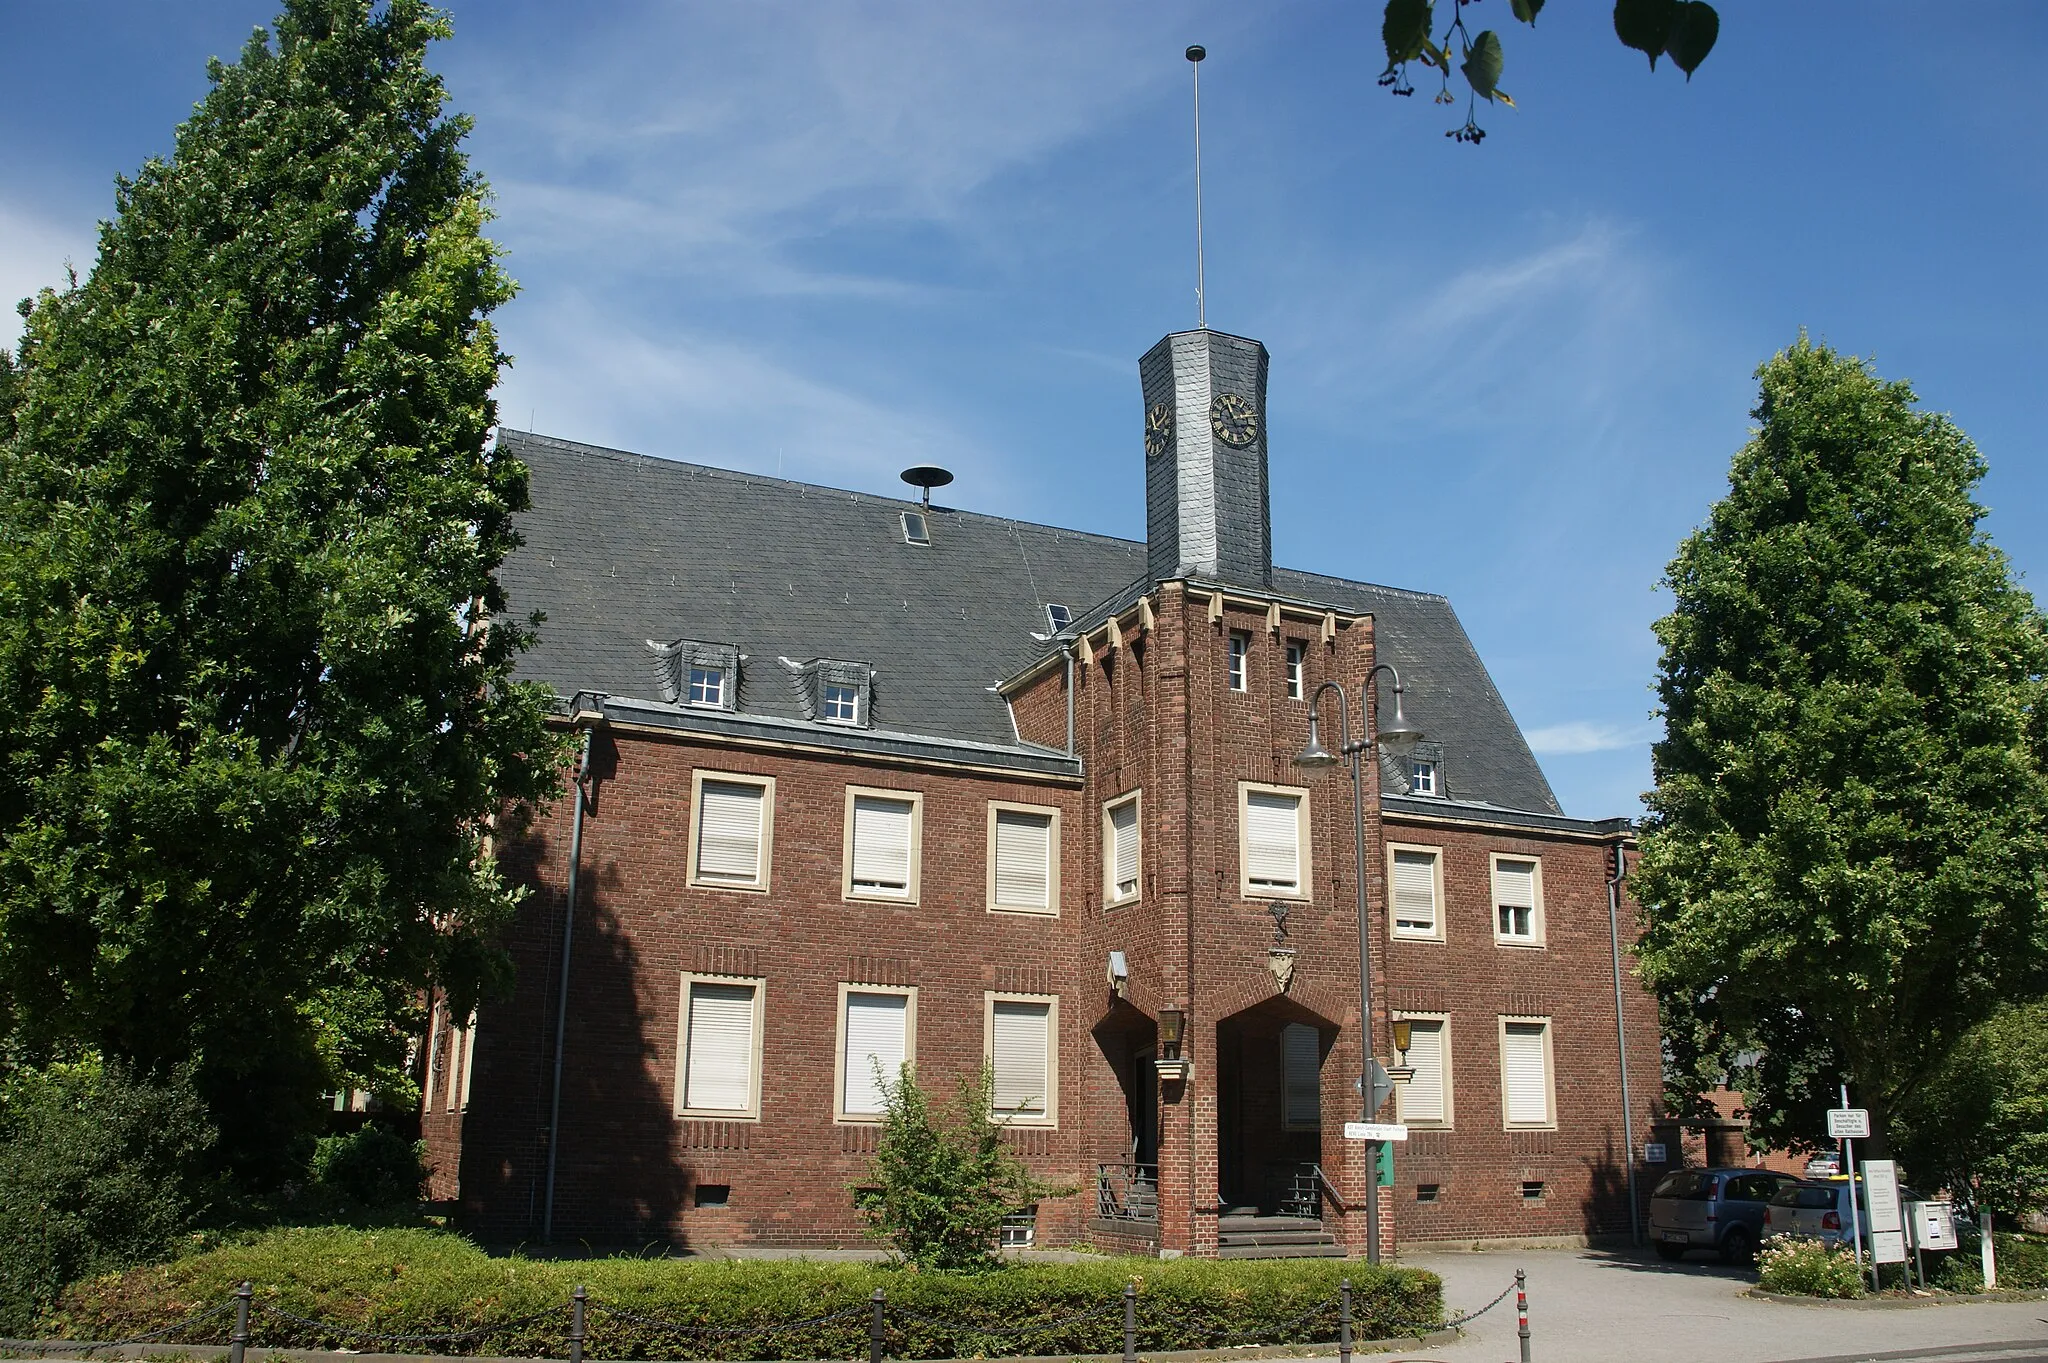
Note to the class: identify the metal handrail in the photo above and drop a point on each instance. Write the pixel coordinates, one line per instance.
(1127, 1191)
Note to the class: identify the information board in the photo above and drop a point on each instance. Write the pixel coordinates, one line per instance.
(1375, 1131)
(1654, 1153)
(1850, 1122)
(1933, 1225)
(1881, 1197)
(1888, 1247)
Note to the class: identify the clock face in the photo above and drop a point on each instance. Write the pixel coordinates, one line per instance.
(1158, 430)
(1234, 419)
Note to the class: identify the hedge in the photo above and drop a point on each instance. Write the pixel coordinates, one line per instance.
(418, 1282)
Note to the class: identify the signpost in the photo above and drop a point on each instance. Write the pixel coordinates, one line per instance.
(1654, 1153)
(1375, 1131)
(1848, 1125)
(1887, 1223)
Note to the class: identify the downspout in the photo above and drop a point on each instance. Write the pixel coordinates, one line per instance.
(1070, 699)
(547, 1216)
(1628, 1128)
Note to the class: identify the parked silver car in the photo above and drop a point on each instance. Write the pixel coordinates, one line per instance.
(1717, 1209)
(1818, 1209)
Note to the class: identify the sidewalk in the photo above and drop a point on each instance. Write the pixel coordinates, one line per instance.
(1608, 1306)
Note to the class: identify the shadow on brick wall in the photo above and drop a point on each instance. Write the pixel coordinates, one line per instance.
(620, 1180)
(1605, 1212)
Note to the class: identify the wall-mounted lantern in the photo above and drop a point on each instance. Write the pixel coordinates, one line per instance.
(1172, 1065)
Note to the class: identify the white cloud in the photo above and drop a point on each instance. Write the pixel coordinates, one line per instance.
(1584, 736)
(715, 399)
(33, 254)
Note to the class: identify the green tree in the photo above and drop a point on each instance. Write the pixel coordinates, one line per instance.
(256, 707)
(1980, 1122)
(1844, 862)
(942, 1180)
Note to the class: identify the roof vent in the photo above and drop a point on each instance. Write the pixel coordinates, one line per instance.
(1058, 616)
(916, 530)
(927, 477)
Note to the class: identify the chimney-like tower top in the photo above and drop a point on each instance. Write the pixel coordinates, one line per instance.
(1206, 508)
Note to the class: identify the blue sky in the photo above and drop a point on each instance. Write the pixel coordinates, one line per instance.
(834, 240)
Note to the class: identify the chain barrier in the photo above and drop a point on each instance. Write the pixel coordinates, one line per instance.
(1456, 1321)
(724, 1331)
(209, 1313)
(389, 1337)
(1228, 1339)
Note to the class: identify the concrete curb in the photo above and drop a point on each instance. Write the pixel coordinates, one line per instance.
(1895, 1303)
(70, 1348)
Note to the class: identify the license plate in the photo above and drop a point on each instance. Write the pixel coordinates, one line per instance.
(1676, 1237)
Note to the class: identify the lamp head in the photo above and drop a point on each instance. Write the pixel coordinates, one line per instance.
(1315, 757)
(1398, 736)
(1404, 1032)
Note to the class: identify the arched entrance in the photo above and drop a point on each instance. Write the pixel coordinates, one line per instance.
(1270, 1100)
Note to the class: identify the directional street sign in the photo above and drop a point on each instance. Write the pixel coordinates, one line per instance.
(1850, 1122)
(1375, 1131)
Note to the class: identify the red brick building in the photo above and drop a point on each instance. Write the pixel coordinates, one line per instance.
(869, 782)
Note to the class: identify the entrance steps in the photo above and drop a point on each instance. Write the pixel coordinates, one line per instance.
(1242, 1235)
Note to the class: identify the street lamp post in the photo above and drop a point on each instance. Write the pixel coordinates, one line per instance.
(1397, 736)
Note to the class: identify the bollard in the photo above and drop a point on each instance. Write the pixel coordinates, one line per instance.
(1131, 1322)
(1522, 1311)
(1988, 1252)
(238, 1342)
(1344, 1321)
(876, 1342)
(576, 1302)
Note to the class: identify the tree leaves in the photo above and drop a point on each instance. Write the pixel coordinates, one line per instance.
(1684, 29)
(1405, 29)
(1527, 10)
(1483, 64)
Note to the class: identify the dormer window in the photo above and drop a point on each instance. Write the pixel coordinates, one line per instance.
(696, 673)
(707, 686)
(834, 691)
(1422, 778)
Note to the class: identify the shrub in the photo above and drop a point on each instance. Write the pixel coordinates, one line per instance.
(369, 1167)
(942, 1180)
(1807, 1268)
(421, 1282)
(2022, 1265)
(96, 1173)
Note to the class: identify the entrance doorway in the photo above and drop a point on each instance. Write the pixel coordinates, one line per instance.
(1269, 1135)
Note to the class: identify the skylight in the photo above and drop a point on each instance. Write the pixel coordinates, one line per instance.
(915, 530)
(1058, 616)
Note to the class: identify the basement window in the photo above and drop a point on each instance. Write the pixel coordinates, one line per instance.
(1428, 1192)
(1532, 1190)
(714, 1194)
(1020, 1231)
(1058, 616)
(916, 530)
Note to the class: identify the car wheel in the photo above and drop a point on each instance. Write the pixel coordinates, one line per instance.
(1738, 1246)
(1670, 1253)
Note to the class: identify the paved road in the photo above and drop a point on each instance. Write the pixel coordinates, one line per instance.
(1593, 1306)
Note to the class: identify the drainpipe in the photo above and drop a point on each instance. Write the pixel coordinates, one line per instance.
(1628, 1128)
(547, 1216)
(1070, 699)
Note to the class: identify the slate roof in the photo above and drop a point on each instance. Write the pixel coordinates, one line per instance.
(623, 548)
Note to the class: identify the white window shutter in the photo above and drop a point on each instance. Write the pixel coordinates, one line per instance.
(718, 1074)
(1272, 840)
(1301, 1060)
(1415, 891)
(1514, 884)
(1524, 1072)
(468, 1063)
(1123, 824)
(1020, 1044)
(876, 1027)
(1023, 859)
(729, 832)
(881, 845)
(1421, 1099)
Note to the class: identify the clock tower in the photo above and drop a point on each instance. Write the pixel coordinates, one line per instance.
(1206, 511)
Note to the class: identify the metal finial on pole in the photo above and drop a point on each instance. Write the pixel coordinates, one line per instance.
(1195, 55)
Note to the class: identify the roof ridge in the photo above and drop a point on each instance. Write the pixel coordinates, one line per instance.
(741, 475)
